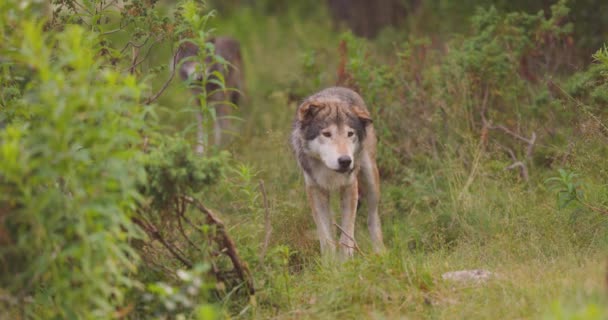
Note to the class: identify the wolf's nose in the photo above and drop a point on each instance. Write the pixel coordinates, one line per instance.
(344, 161)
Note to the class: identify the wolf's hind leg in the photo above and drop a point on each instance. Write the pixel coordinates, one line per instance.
(370, 175)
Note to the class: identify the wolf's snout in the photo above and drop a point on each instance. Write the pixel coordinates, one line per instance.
(344, 162)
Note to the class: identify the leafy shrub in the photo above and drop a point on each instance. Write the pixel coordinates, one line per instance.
(69, 175)
(174, 170)
(73, 174)
(434, 101)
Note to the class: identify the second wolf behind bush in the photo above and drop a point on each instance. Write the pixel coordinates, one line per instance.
(204, 75)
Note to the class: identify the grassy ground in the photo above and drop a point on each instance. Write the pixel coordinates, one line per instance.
(438, 214)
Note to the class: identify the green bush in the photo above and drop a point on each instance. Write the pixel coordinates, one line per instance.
(82, 155)
(174, 170)
(69, 173)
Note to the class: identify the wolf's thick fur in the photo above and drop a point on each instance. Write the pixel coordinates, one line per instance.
(335, 144)
(229, 49)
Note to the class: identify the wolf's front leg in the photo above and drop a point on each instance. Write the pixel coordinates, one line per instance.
(348, 204)
(321, 213)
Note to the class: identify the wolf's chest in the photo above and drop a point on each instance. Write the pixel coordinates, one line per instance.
(328, 179)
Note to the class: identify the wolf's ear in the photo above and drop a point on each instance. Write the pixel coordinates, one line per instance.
(363, 115)
(307, 111)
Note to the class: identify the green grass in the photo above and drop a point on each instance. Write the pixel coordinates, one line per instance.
(439, 214)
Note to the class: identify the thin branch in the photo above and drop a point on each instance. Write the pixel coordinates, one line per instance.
(183, 233)
(582, 105)
(131, 43)
(181, 215)
(111, 31)
(82, 7)
(515, 135)
(225, 243)
(484, 106)
(137, 49)
(530, 148)
(509, 151)
(267, 223)
(522, 167)
(516, 163)
(164, 87)
(600, 210)
(153, 264)
(356, 247)
(487, 125)
(153, 232)
(113, 2)
(134, 54)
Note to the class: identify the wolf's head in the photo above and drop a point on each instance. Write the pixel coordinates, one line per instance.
(333, 124)
(191, 68)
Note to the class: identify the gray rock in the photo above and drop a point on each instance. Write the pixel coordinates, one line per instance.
(475, 275)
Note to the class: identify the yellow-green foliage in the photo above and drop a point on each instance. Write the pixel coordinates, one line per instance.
(80, 156)
(68, 178)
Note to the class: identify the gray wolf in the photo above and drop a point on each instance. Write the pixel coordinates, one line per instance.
(221, 99)
(334, 142)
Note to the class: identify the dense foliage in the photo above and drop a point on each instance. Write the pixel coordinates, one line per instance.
(68, 177)
(82, 157)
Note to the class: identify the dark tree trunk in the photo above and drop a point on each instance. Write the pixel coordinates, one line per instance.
(366, 18)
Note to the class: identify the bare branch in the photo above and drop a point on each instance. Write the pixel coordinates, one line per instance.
(581, 105)
(530, 148)
(487, 125)
(356, 247)
(82, 7)
(110, 3)
(166, 84)
(180, 228)
(514, 134)
(523, 170)
(227, 246)
(484, 123)
(111, 31)
(509, 151)
(134, 54)
(136, 50)
(153, 232)
(484, 106)
(130, 43)
(603, 211)
(267, 223)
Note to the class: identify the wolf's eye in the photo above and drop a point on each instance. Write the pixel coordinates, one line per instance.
(350, 134)
(327, 134)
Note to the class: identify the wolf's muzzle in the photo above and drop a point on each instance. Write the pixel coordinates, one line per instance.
(344, 162)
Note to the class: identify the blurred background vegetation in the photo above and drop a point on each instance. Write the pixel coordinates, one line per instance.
(492, 150)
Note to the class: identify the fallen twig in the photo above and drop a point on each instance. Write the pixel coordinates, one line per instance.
(523, 169)
(225, 242)
(516, 163)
